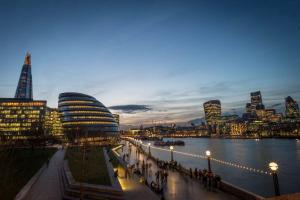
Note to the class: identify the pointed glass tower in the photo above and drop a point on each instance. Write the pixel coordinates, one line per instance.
(24, 89)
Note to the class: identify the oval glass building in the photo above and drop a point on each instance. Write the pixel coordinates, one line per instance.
(83, 116)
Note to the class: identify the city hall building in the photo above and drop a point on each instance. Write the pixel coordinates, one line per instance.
(85, 118)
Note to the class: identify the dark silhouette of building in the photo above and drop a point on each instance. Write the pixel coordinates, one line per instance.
(24, 89)
(82, 116)
(291, 108)
(256, 101)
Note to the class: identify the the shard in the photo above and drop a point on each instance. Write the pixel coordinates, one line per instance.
(24, 89)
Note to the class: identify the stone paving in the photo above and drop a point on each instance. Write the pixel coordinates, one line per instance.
(133, 189)
(47, 187)
(178, 187)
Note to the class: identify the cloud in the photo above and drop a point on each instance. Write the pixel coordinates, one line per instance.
(131, 109)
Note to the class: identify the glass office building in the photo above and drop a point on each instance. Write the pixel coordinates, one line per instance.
(21, 118)
(212, 110)
(53, 125)
(83, 116)
(24, 89)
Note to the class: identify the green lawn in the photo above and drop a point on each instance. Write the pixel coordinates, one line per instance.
(92, 170)
(17, 166)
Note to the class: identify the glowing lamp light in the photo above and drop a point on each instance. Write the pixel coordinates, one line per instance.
(171, 147)
(149, 144)
(273, 166)
(207, 153)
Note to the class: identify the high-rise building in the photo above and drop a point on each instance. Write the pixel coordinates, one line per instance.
(24, 89)
(248, 107)
(291, 108)
(21, 118)
(82, 116)
(53, 125)
(256, 101)
(212, 110)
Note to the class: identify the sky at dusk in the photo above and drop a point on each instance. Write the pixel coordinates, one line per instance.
(154, 60)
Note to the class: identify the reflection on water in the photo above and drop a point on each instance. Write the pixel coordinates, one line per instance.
(251, 153)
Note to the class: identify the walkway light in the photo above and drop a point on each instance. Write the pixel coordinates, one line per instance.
(149, 145)
(172, 157)
(208, 154)
(273, 166)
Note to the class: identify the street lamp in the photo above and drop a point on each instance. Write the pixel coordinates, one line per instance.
(171, 148)
(273, 166)
(208, 154)
(149, 144)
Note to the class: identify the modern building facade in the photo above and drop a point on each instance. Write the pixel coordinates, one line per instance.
(53, 125)
(24, 89)
(256, 101)
(291, 108)
(82, 116)
(212, 110)
(117, 118)
(21, 118)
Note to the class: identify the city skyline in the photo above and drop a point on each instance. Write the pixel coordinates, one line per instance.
(173, 81)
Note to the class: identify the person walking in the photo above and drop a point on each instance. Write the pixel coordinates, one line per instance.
(47, 162)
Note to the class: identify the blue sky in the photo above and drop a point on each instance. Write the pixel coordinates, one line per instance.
(169, 56)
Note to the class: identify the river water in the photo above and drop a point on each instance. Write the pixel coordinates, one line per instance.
(247, 152)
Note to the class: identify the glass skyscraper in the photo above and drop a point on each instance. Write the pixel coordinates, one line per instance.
(24, 89)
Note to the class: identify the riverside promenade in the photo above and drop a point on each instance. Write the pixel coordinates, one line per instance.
(178, 186)
(47, 186)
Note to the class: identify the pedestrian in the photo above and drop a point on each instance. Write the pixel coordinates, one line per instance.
(196, 173)
(166, 176)
(47, 162)
(191, 173)
(157, 177)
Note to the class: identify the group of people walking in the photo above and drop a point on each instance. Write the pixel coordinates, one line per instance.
(208, 178)
(158, 182)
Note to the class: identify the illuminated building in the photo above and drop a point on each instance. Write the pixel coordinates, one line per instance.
(237, 129)
(82, 116)
(21, 118)
(212, 110)
(291, 108)
(256, 101)
(53, 125)
(117, 118)
(248, 108)
(24, 89)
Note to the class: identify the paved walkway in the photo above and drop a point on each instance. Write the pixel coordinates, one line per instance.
(178, 186)
(133, 189)
(47, 187)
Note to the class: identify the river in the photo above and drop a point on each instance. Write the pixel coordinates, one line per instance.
(248, 152)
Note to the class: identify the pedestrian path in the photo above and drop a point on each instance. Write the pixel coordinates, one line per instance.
(47, 187)
(133, 189)
(178, 186)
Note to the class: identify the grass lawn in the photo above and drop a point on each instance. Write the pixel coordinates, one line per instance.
(17, 166)
(95, 169)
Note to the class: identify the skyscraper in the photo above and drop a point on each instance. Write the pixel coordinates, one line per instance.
(212, 111)
(24, 89)
(291, 108)
(256, 101)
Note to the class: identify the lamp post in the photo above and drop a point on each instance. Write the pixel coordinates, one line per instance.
(171, 148)
(141, 142)
(208, 154)
(149, 145)
(273, 166)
